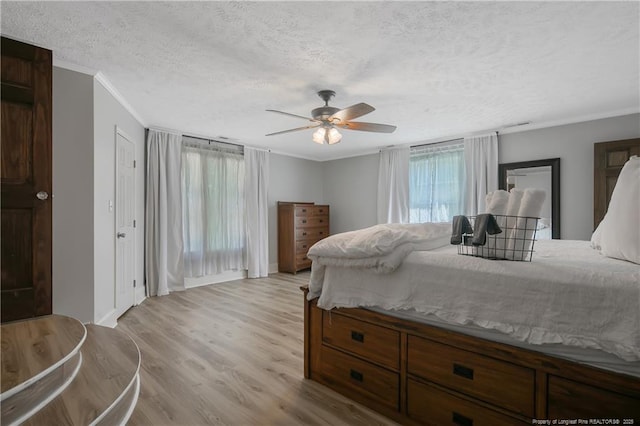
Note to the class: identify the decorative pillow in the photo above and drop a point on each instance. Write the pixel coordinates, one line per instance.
(620, 233)
(596, 238)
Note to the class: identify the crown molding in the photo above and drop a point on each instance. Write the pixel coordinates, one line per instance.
(102, 79)
(61, 63)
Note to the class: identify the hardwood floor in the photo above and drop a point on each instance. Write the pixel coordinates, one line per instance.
(232, 354)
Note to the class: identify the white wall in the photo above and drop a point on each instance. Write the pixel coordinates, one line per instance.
(351, 189)
(351, 183)
(73, 260)
(109, 113)
(573, 144)
(291, 179)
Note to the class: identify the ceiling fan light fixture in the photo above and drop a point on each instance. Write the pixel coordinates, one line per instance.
(333, 136)
(318, 135)
(328, 136)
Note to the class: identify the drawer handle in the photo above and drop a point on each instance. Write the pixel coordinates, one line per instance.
(304, 246)
(358, 337)
(356, 375)
(320, 233)
(304, 221)
(304, 210)
(462, 371)
(304, 233)
(321, 220)
(461, 420)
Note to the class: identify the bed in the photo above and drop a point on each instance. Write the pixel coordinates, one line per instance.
(455, 364)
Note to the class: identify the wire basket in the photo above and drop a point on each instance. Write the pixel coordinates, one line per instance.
(515, 242)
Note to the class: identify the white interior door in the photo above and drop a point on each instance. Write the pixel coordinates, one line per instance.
(125, 223)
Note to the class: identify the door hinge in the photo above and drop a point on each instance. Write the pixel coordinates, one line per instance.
(134, 283)
(134, 223)
(134, 164)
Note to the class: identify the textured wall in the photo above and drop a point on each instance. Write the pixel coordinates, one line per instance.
(573, 144)
(351, 183)
(73, 260)
(109, 113)
(291, 179)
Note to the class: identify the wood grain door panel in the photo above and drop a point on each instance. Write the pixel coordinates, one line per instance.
(26, 170)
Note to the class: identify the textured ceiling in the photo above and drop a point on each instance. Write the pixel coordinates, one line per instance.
(434, 69)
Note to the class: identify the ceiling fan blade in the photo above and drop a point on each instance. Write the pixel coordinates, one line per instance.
(368, 127)
(354, 111)
(296, 129)
(292, 115)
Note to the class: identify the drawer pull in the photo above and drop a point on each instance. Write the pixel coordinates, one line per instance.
(321, 220)
(304, 210)
(320, 233)
(356, 375)
(461, 420)
(304, 220)
(304, 233)
(462, 371)
(358, 337)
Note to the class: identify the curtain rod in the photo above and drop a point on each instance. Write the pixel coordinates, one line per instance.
(448, 141)
(209, 140)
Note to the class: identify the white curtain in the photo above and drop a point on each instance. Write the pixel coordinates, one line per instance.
(212, 209)
(393, 186)
(163, 241)
(436, 182)
(256, 208)
(481, 162)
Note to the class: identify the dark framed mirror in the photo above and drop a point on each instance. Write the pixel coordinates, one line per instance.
(543, 174)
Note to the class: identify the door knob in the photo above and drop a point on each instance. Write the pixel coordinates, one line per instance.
(121, 235)
(42, 195)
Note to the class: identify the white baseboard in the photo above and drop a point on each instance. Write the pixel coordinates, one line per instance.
(140, 295)
(214, 279)
(109, 320)
(273, 268)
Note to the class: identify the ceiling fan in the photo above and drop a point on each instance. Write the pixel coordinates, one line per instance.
(326, 118)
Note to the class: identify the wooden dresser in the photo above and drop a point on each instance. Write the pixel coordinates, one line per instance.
(300, 225)
(419, 374)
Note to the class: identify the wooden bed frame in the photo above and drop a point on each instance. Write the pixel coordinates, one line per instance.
(419, 374)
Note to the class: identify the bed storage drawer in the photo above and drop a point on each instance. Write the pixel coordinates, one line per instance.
(429, 405)
(377, 344)
(491, 380)
(569, 399)
(374, 383)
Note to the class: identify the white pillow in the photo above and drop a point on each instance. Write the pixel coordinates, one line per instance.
(596, 238)
(620, 233)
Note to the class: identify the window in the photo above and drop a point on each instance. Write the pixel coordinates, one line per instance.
(436, 182)
(212, 208)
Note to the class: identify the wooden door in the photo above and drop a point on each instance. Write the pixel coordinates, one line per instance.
(125, 222)
(26, 180)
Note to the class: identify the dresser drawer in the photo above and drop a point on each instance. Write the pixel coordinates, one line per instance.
(378, 344)
(311, 221)
(569, 399)
(303, 246)
(429, 405)
(312, 234)
(346, 372)
(302, 261)
(491, 380)
(312, 210)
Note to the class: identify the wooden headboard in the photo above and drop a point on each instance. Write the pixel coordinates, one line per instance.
(608, 159)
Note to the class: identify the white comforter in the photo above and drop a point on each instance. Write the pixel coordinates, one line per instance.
(569, 294)
(379, 248)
